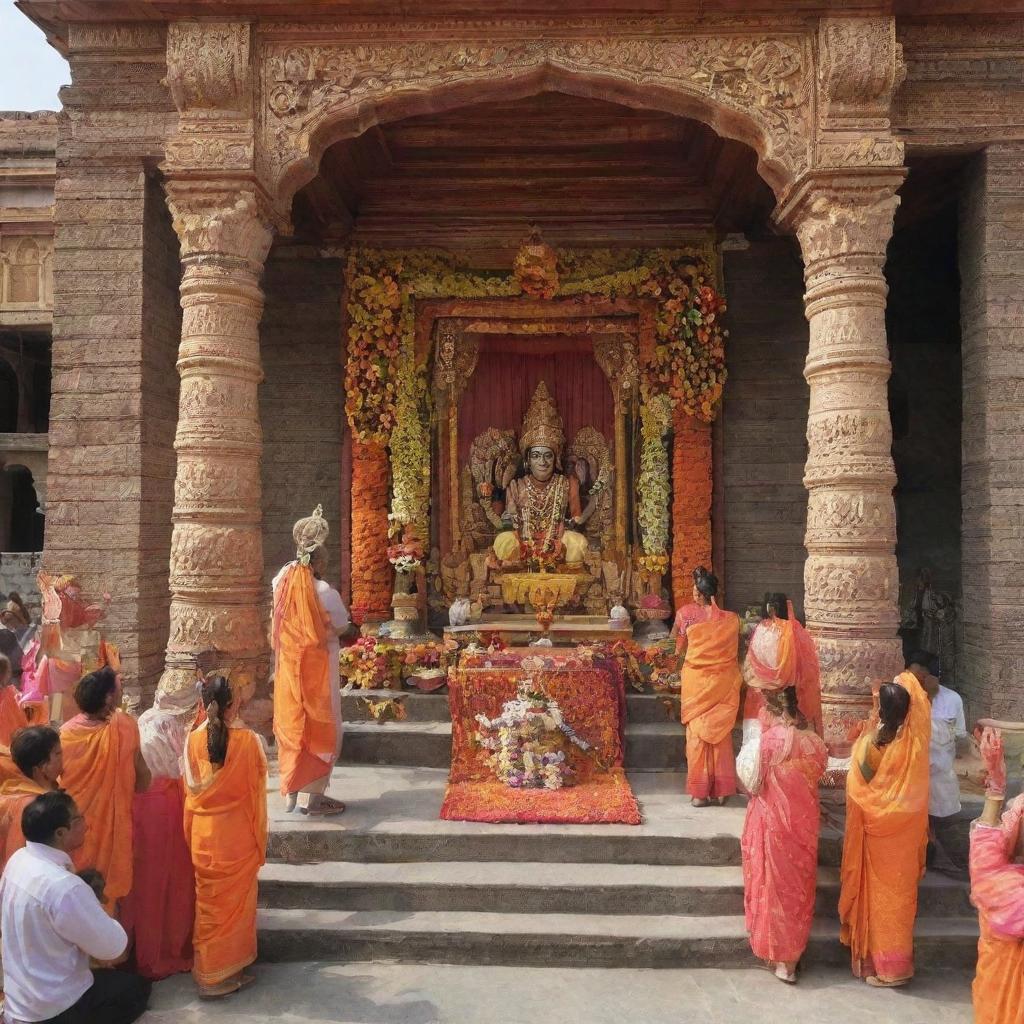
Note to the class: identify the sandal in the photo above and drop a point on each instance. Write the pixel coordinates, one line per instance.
(219, 991)
(875, 982)
(789, 977)
(698, 802)
(324, 807)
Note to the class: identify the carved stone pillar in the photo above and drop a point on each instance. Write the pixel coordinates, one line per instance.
(843, 222)
(216, 571)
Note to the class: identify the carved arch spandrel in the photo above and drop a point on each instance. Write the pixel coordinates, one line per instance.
(750, 87)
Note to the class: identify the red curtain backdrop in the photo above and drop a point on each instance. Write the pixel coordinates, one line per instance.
(510, 367)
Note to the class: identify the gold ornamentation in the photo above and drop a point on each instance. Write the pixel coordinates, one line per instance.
(542, 426)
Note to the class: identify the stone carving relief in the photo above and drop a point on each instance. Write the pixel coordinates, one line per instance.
(126, 36)
(26, 271)
(849, 587)
(194, 549)
(849, 664)
(836, 518)
(616, 355)
(860, 67)
(209, 224)
(455, 357)
(208, 65)
(763, 79)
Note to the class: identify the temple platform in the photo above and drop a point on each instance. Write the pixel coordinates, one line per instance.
(518, 630)
(390, 880)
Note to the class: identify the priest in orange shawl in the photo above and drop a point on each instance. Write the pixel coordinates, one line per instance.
(308, 620)
(887, 833)
(711, 683)
(36, 753)
(226, 828)
(12, 718)
(997, 890)
(103, 769)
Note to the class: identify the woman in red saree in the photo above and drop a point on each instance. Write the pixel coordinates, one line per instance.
(997, 890)
(780, 833)
(710, 701)
(160, 910)
(886, 835)
(226, 828)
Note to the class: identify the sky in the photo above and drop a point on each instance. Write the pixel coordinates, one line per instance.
(31, 71)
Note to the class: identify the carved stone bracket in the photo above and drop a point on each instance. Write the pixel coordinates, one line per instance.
(748, 86)
(851, 582)
(859, 69)
(216, 567)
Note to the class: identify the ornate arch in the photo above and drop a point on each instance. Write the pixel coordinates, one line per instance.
(751, 87)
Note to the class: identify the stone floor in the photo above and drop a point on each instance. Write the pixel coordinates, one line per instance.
(386, 993)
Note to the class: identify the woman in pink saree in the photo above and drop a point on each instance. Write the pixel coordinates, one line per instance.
(997, 890)
(780, 834)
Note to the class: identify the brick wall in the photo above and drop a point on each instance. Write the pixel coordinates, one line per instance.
(764, 424)
(301, 400)
(992, 314)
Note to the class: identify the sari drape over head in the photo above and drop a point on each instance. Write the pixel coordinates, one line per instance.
(226, 829)
(711, 682)
(781, 653)
(304, 720)
(997, 890)
(780, 842)
(99, 773)
(15, 795)
(885, 842)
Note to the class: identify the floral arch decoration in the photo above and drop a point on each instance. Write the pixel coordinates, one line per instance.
(388, 399)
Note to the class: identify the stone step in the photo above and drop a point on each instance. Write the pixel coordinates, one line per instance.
(561, 940)
(650, 746)
(548, 888)
(433, 707)
(393, 813)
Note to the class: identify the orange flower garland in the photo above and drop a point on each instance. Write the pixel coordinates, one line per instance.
(691, 502)
(371, 571)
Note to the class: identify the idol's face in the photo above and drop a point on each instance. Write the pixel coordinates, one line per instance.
(541, 463)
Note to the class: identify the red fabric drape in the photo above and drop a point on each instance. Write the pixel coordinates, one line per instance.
(509, 368)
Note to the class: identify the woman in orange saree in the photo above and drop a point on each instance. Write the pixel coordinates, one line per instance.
(710, 696)
(12, 718)
(997, 890)
(226, 828)
(36, 754)
(780, 834)
(886, 835)
(103, 769)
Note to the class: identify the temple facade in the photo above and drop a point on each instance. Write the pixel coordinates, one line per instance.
(851, 183)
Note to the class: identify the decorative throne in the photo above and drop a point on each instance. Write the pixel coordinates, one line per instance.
(513, 522)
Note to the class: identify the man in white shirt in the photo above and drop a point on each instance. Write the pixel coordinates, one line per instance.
(948, 728)
(52, 923)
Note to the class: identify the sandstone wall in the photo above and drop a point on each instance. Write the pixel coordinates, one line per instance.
(111, 462)
(764, 424)
(301, 401)
(992, 312)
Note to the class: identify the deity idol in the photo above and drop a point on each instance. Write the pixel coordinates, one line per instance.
(543, 518)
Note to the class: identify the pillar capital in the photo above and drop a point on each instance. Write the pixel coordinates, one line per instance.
(836, 213)
(219, 222)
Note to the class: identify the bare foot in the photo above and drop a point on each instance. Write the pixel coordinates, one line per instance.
(698, 802)
(289, 802)
(786, 972)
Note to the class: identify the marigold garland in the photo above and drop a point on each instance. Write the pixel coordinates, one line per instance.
(387, 398)
(371, 571)
(691, 502)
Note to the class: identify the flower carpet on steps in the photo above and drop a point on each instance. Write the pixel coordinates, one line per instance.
(589, 695)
